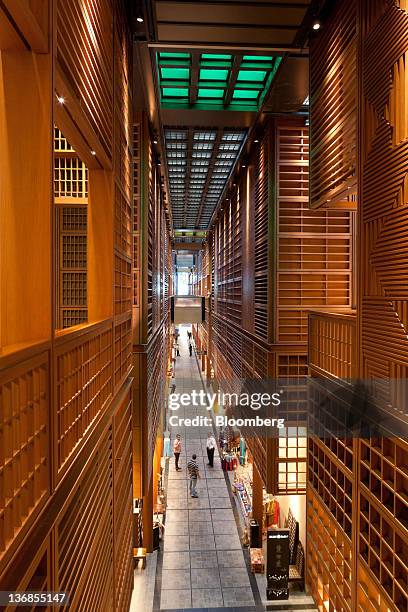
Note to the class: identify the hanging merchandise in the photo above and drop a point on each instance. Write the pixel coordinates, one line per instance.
(167, 453)
(242, 451)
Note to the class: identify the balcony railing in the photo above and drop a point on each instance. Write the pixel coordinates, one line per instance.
(332, 344)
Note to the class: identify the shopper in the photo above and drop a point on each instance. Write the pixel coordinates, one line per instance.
(194, 474)
(178, 352)
(221, 439)
(190, 349)
(189, 335)
(210, 449)
(177, 451)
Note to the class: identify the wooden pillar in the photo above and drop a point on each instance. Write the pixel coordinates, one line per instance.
(148, 517)
(257, 496)
(100, 245)
(26, 128)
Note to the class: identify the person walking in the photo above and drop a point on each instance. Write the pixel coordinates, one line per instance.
(177, 451)
(190, 349)
(189, 335)
(210, 449)
(194, 474)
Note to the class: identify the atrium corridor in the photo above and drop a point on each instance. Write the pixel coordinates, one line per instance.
(203, 565)
(237, 169)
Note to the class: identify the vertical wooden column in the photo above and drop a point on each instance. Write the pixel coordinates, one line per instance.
(257, 496)
(248, 240)
(148, 516)
(100, 245)
(26, 128)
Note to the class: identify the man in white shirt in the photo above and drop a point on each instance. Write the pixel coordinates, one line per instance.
(210, 449)
(177, 451)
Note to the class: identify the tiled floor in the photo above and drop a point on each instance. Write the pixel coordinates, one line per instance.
(203, 563)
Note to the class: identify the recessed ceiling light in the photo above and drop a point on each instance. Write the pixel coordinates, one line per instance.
(61, 99)
(93, 152)
(154, 141)
(243, 166)
(256, 140)
(317, 25)
(139, 19)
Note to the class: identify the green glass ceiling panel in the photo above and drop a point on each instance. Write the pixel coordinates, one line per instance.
(253, 76)
(174, 92)
(215, 56)
(245, 94)
(258, 58)
(207, 74)
(175, 73)
(211, 93)
(174, 55)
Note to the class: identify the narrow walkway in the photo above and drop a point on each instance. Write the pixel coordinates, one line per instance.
(203, 565)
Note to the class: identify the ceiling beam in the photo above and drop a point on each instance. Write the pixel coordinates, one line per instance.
(188, 246)
(209, 173)
(233, 79)
(194, 71)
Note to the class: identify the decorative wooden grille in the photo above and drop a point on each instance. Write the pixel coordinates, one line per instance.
(333, 106)
(83, 386)
(25, 445)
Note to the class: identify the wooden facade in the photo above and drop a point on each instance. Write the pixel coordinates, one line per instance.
(151, 272)
(268, 261)
(66, 397)
(357, 504)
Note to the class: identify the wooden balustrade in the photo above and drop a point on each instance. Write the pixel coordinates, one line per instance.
(332, 344)
(24, 440)
(82, 385)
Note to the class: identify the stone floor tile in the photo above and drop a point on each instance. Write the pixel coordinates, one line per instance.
(234, 577)
(174, 599)
(200, 559)
(205, 578)
(207, 598)
(205, 542)
(227, 542)
(238, 597)
(231, 558)
(176, 560)
(176, 543)
(175, 579)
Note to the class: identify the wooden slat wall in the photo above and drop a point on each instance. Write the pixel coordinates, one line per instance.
(83, 386)
(25, 443)
(383, 303)
(314, 247)
(84, 52)
(333, 105)
(151, 312)
(370, 480)
(261, 160)
(66, 511)
(287, 261)
(333, 344)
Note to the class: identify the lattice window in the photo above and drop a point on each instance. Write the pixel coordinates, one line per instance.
(329, 558)
(24, 443)
(261, 222)
(83, 386)
(87, 522)
(332, 483)
(123, 351)
(70, 178)
(123, 288)
(72, 280)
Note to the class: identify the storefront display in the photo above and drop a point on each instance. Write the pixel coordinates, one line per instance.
(277, 564)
